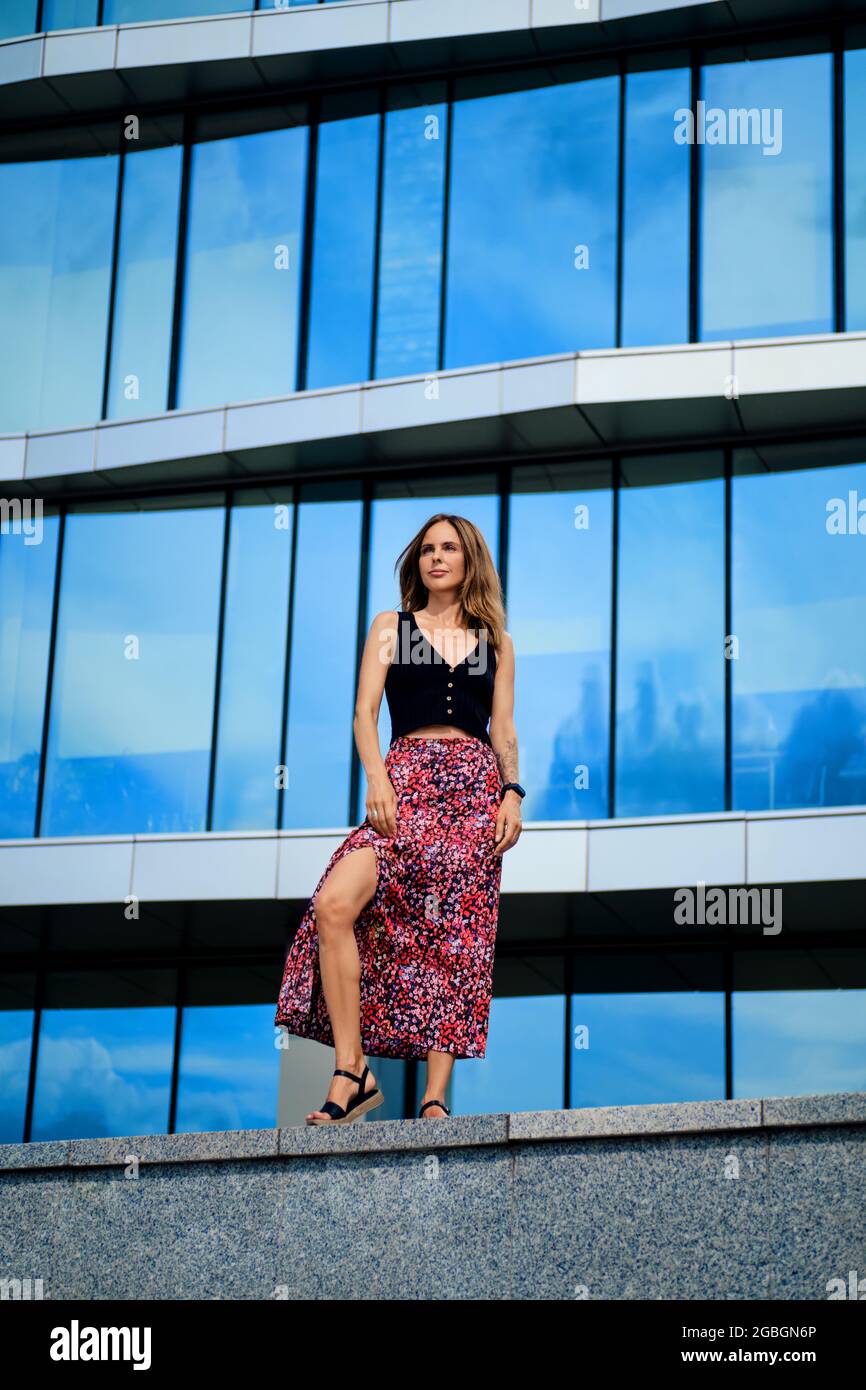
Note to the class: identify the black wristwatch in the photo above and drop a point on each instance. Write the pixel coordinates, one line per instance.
(515, 787)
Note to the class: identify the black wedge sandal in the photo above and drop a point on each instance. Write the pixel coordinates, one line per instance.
(433, 1102)
(362, 1102)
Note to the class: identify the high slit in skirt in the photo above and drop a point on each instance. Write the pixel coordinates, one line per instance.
(426, 938)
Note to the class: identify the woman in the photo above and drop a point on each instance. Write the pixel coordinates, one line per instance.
(394, 954)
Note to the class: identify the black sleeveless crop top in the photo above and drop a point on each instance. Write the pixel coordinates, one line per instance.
(421, 688)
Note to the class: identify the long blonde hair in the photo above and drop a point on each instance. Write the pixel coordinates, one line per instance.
(481, 597)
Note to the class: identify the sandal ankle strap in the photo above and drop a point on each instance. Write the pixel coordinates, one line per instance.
(440, 1103)
(338, 1071)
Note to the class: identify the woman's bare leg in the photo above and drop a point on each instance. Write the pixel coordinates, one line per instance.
(339, 902)
(439, 1065)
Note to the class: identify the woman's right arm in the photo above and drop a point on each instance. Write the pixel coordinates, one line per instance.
(378, 652)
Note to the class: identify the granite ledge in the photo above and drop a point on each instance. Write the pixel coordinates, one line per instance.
(835, 1108)
(456, 1132)
(146, 1148)
(622, 1121)
(453, 1132)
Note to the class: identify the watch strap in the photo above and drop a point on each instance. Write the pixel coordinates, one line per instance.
(514, 787)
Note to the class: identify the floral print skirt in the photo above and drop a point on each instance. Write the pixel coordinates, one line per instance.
(426, 938)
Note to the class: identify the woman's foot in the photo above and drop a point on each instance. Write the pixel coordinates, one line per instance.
(342, 1089)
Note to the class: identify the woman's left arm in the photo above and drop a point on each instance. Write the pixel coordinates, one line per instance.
(503, 737)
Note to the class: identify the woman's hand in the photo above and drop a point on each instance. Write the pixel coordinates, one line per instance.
(508, 822)
(381, 804)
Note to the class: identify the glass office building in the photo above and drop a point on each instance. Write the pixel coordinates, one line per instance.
(598, 286)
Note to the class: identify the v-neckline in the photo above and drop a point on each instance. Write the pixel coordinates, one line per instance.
(413, 619)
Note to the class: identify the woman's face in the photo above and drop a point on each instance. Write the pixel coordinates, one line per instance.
(441, 559)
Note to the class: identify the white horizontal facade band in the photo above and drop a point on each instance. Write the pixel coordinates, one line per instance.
(64, 71)
(724, 849)
(618, 398)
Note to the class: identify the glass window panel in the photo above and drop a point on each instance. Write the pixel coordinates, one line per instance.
(341, 299)
(523, 1068)
(132, 703)
(126, 11)
(670, 647)
(243, 267)
(16, 1037)
(413, 195)
(323, 650)
(798, 1042)
(228, 1072)
(531, 248)
(144, 295)
(655, 289)
(395, 519)
(855, 189)
(559, 601)
(646, 1049)
(390, 1074)
(253, 662)
(69, 14)
(104, 1064)
(17, 17)
(799, 615)
(766, 218)
(55, 270)
(27, 568)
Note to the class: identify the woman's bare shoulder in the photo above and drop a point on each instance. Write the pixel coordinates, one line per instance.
(384, 626)
(387, 618)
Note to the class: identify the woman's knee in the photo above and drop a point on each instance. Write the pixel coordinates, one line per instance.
(346, 891)
(334, 908)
